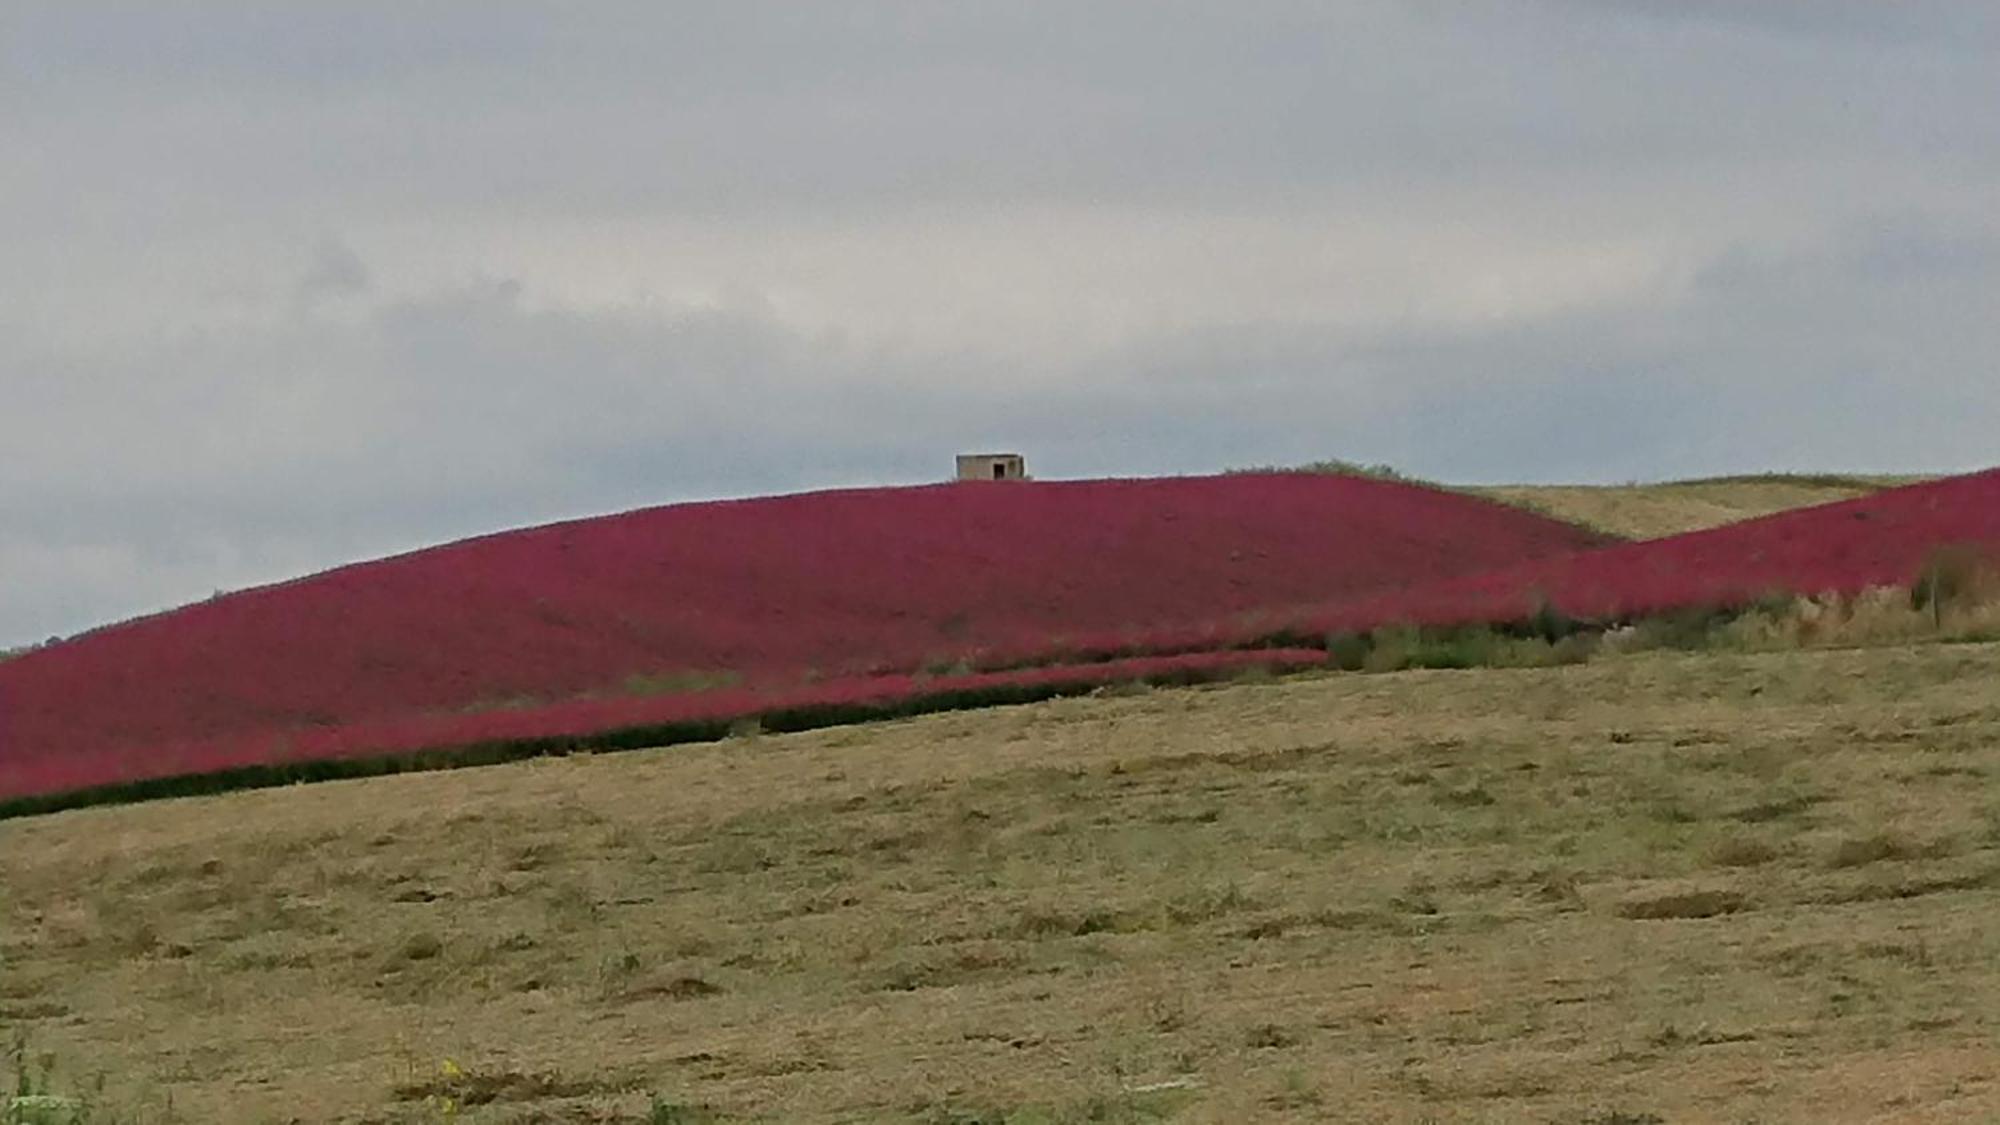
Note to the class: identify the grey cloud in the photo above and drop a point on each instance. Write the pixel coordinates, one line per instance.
(336, 270)
(1743, 370)
(717, 107)
(451, 414)
(1865, 20)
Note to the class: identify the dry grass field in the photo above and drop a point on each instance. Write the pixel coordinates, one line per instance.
(1652, 887)
(1650, 511)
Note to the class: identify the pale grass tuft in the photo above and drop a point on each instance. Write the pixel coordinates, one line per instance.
(1881, 615)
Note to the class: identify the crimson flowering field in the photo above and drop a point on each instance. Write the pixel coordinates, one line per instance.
(627, 721)
(693, 612)
(1842, 548)
(672, 622)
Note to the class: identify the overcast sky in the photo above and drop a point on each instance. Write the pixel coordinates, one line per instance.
(283, 286)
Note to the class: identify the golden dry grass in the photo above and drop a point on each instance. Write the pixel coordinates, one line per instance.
(1883, 615)
(1650, 511)
(1658, 886)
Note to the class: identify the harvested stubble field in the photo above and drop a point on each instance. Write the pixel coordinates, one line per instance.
(1651, 887)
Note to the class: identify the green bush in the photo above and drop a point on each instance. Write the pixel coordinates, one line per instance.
(1347, 651)
(1332, 467)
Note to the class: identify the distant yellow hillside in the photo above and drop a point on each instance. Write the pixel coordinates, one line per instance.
(1648, 511)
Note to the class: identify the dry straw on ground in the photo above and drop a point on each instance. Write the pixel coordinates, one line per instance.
(1658, 886)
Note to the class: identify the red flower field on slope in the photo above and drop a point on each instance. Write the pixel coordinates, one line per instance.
(1885, 539)
(758, 595)
(1841, 548)
(618, 721)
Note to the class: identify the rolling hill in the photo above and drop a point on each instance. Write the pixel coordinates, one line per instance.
(1884, 539)
(702, 611)
(674, 623)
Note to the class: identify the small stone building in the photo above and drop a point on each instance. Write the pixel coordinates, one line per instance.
(992, 466)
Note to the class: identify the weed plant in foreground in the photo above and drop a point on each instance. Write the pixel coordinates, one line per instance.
(31, 1093)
